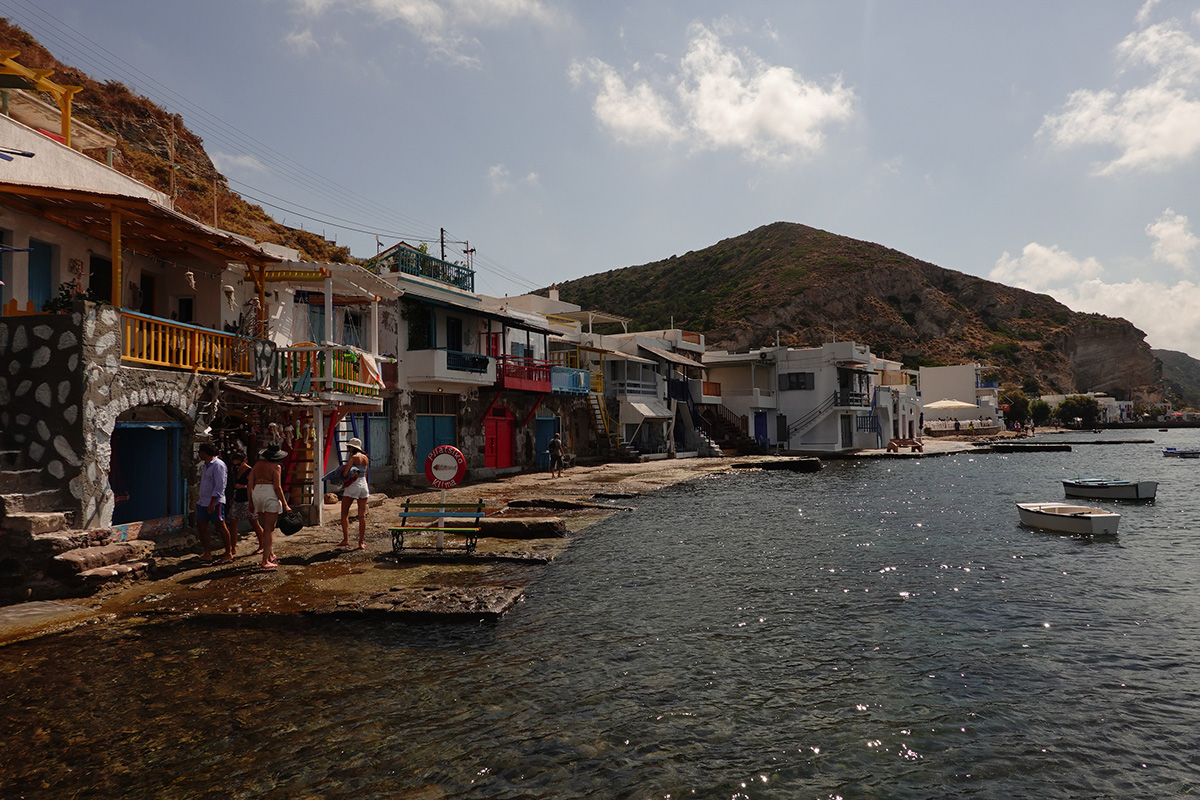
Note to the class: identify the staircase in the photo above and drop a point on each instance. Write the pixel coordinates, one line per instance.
(42, 557)
(606, 433)
(728, 430)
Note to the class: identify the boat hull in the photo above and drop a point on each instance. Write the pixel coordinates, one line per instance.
(1111, 490)
(1176, 452)
(1064, 518)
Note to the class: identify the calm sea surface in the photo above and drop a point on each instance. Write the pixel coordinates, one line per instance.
(881, 629)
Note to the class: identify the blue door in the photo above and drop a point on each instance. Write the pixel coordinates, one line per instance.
(432, 431)
(144, 472)
(760, 427)
(546, 428)
(40, 257)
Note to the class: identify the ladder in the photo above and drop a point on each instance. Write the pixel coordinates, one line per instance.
(604, 429)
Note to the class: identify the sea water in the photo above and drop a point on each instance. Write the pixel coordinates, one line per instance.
(883, 628)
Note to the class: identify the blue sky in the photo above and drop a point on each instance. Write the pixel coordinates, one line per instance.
(1052, 146)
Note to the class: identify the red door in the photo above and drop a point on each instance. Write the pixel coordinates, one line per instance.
(498, 429)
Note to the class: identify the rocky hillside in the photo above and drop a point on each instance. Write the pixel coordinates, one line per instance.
(1181, 375)
(144, 131)
(806, 285)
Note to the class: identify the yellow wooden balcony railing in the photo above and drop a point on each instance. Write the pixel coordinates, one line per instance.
(312, 369)
(163, 343)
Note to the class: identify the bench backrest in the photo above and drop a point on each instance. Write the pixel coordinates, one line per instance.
(446, 511)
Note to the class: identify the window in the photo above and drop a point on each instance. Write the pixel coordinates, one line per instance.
(789, 381)
(352, 329)
(454, 334)
(316, 323)
(435, 404)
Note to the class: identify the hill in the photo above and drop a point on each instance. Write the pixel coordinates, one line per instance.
(1181, 374)
(145, 133)
(807, 286)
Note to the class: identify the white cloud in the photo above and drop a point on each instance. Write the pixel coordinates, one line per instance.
(1173, 239)
(1169, 314)
(500, 179)
(444, 26)
(1152, 126)
(719, 98)
(302, 41)
(1040, 267)
(228, 164)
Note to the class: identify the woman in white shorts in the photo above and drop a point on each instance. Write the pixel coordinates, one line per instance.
(268, 499)
(355, 472)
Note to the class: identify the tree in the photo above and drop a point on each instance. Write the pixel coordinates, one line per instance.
(1039, 412)
(1017, 402)
(1078, 407)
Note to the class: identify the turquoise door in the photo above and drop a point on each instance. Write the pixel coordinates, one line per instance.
(546, 428)
(432, 431)
(144, 471)
(40, 257)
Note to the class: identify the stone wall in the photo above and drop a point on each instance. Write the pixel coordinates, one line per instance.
(109, 389)
(41, 378)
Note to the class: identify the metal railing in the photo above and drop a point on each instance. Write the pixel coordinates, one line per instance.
(466, 362)
(846, 398)
(313, 369)
(414, 262)
(634, 387)
(566, 380)
(522, 368)
(162, 343)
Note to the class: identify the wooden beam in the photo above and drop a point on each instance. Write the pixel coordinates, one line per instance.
(115, 257)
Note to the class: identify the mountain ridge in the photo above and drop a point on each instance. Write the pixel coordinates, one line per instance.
(805, 286)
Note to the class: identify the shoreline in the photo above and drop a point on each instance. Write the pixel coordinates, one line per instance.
(532, 518)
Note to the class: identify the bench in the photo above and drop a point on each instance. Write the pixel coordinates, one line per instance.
(438, 519)
(895, 444)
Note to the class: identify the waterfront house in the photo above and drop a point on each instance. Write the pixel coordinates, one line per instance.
(967, 384)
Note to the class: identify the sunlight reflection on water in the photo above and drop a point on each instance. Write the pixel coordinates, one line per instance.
(880, 629)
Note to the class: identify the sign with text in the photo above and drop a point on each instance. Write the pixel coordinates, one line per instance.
(445, 466)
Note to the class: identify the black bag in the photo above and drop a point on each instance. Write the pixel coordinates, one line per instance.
(290, 522)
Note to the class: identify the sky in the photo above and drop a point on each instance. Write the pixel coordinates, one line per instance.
(1049, 146)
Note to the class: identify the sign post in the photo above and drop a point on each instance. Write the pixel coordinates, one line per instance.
(445, 466)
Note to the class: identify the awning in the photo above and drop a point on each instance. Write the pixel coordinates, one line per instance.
(651, 409)
(268, 396)
(674, 358)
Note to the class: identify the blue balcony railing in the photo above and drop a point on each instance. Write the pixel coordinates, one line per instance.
(568, 380)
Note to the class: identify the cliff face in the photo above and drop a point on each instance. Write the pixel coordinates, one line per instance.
(806, 286)
(146, 135)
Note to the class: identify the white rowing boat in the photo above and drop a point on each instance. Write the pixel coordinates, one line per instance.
(1066, 518)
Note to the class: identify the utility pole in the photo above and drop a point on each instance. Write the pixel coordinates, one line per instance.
(443, 244)
(171, 151)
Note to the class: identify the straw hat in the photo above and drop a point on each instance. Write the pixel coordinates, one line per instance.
(355, 444)
(274, 453)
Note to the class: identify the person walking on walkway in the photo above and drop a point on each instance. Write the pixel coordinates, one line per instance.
(239, 507)
(210, 507)
(266, 493)
(556, 456)
(354, 471)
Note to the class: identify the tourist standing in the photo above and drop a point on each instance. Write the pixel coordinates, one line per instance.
(268, 499)
(354, 472)
(239, 503)
(210, 506)
(556, 456)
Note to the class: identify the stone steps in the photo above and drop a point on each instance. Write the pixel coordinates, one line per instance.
(37, 522)
(37, 500)
(19, 480)
(83, 559)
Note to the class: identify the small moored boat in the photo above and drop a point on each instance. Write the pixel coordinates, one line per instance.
(1180, 452)
(1106, 489)
(1065, 518)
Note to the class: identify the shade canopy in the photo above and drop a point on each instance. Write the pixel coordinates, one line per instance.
(950, 404)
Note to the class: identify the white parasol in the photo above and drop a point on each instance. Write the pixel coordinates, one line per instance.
(940, 404)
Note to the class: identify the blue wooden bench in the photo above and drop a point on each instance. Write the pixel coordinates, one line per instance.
(420, 519)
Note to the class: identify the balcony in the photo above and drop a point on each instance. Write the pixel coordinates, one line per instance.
(627, 387)
(755, 398)
(337, 373)
(161, 343)
(432, 368)
(844, 398)
(523, 374)
(705, 392)
(414, 262)
(568, 380)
